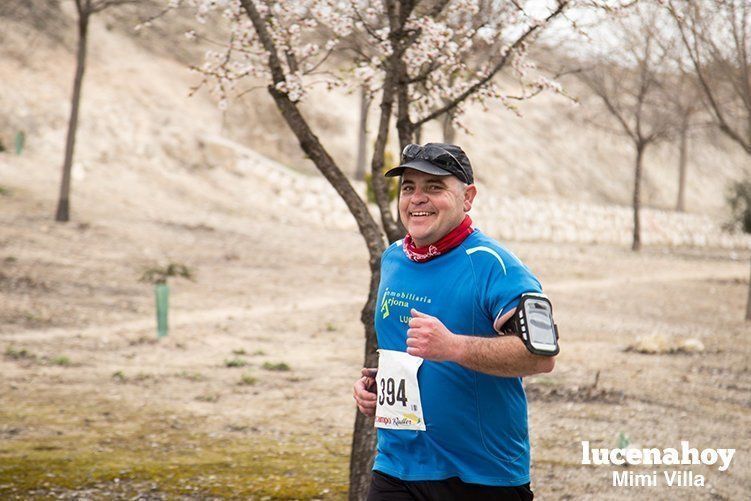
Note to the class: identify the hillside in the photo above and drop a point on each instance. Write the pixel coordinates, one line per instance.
(141, 138)
(249, 396)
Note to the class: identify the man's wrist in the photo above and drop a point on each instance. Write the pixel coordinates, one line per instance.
(459, 348)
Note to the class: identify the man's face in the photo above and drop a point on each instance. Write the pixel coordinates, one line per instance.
(430, 206)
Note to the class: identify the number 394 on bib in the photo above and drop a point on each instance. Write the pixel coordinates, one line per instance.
(399, 406)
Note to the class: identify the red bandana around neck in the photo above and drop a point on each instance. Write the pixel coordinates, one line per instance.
(450, 240)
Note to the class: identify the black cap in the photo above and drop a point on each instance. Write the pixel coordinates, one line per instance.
(439, 159)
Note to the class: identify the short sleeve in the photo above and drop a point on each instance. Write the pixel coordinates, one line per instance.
(502, 279)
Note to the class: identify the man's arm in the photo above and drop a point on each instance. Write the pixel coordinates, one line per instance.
(504, 356)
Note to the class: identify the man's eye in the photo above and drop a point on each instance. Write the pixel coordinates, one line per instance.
(406, 188)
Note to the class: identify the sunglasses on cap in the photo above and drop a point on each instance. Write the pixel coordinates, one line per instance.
(437, 156)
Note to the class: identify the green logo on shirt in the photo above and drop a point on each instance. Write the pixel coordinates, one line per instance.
(385, 307)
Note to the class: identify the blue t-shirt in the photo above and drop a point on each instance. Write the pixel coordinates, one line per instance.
(476, 424)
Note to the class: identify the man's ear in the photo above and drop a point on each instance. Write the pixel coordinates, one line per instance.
(469, 196)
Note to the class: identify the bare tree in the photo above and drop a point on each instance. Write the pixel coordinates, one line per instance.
(685, 102)
(629, 87)
(85, 9)
(717, 37)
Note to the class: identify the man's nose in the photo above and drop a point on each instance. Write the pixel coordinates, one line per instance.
(418, 197)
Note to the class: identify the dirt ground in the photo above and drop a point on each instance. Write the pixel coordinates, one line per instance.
(249, 396)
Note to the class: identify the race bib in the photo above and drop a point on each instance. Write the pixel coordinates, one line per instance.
(399, 406)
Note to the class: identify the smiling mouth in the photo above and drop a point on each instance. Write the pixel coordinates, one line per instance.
(421, 214)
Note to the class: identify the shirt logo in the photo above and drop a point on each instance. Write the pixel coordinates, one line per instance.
(400, 299)
(385, 307)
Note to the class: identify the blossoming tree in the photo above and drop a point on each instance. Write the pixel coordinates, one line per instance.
(419, 59)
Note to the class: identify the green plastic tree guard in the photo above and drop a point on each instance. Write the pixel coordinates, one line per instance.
(162, 307)
(20, 141)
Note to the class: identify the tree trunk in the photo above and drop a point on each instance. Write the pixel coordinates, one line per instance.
(364, 436)
(748, 302)
(362, 137)
(404, 126)
(636, 245)
(380, 189)
(363, 443)
(682, 160)
(63, 204)
(449, 132)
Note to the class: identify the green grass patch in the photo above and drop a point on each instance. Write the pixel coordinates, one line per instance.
(208, 397)
(235, 362)
(279, 367)
(151, 451)
(16, 354)
(191, 376)
(247, 380)
(61, 360)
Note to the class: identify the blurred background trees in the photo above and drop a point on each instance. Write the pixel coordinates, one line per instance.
(629, 79)
(716, 37)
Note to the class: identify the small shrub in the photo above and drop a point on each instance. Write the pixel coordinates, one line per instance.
(235, 362)
(330, 327)
(33, 317)
(247, 380)
(258, 353)
(392, 183)
(119, 377)
(62, 361)
(160, 274)
(191, 376)
(209, 397)
(280, 367)
(739, 199)
(239, 352)
(22, 354)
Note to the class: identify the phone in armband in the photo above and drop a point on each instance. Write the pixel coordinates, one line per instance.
(533, 321)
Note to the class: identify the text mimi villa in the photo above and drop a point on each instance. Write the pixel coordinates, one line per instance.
(671, 478)
(685, 455)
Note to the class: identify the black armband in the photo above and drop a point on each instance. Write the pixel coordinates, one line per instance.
(533, 322)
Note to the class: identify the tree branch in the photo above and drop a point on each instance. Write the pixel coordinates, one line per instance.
(312, 146)
(498, 66)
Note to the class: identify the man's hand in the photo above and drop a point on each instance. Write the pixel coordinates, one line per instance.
(428, 338)
(365, 392)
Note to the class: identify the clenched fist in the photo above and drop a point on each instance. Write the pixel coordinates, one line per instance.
(428, 338)
(365, 392)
